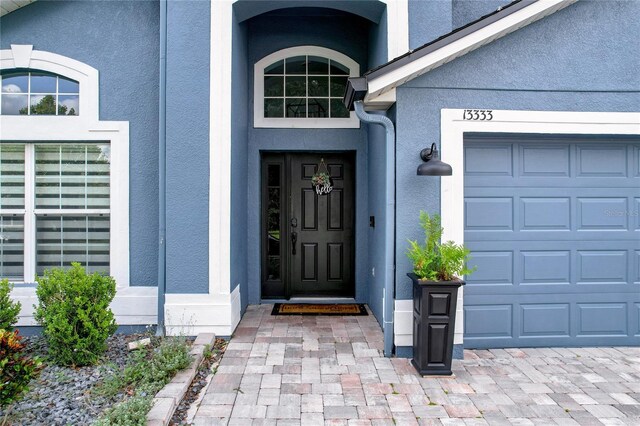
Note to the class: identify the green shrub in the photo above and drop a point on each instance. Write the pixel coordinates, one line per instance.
(73, 309)
(146, 372)
(433, 260)
(149, 369)
(132, 412)
(9, 309)
(16, 369)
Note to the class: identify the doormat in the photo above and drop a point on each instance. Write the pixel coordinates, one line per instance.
(319, 309)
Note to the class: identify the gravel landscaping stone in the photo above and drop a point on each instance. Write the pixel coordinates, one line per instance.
(62, 395)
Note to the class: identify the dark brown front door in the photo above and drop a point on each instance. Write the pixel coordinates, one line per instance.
(307, 238)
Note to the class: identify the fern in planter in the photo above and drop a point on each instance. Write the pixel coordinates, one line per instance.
(435, 261)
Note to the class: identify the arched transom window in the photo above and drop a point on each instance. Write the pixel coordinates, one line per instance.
(38, 93)
(303, 87)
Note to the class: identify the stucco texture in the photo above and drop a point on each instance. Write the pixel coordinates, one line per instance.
(188, 147)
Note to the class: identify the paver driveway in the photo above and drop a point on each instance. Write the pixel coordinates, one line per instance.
(308, 370)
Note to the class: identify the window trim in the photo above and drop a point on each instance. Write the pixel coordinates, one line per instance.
(260, 121)
(85, 127)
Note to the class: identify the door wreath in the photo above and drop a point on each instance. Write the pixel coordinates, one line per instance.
(321, 179)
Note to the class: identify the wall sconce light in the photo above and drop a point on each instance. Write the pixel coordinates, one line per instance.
(432, 165)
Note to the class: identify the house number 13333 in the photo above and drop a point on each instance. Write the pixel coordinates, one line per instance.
(477, 114)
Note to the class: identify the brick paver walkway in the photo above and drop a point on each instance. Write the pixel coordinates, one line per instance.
(307, 370)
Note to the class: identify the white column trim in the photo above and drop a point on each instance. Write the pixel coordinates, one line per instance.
(190, 314)
(453, 128)
(220, 105)
(397, 28)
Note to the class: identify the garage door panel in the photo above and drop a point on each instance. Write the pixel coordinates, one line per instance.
(559, 237)
(550, 290)
(545, 213)
(545, 266)
(489, 160)
(545, 319)
(555, 183)
(597, 319)
(493, 267)
(601, 160)
(555, 234)
(598, 213)
(490, 213)
(544, 160)
(493, 321)
(602, 267)
(567, 320)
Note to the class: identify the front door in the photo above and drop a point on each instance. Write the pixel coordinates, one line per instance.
(307, 238)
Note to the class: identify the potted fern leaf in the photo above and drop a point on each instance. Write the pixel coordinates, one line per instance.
(437, 274)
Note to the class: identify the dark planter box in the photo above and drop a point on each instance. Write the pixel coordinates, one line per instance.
(434, 316)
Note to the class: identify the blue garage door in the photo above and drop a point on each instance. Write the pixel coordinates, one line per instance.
(554, 229)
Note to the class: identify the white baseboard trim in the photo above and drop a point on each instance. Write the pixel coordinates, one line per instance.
(131, 306)
(190, 314)
(403, 322)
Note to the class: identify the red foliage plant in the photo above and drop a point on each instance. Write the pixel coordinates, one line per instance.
(16, 369)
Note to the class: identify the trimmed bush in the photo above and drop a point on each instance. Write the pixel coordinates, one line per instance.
(16, 369)
(73, 309)
(9, 309)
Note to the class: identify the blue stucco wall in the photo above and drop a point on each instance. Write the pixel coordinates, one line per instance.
(428, 20)
(188, 32)
(583, 58)
(465, 11)
(239, 146)
(377, 266)
(273, 32)
(120, 40)
(376, 172)
(378, 50)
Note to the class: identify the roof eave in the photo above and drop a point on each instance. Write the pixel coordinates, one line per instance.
(12, 5)
(382, 81)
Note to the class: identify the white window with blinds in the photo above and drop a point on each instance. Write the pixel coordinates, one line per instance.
(54, 207)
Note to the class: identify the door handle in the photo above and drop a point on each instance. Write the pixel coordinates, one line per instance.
(294, 239)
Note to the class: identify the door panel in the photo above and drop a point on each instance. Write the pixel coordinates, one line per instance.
(307, 239)
(324, 267)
